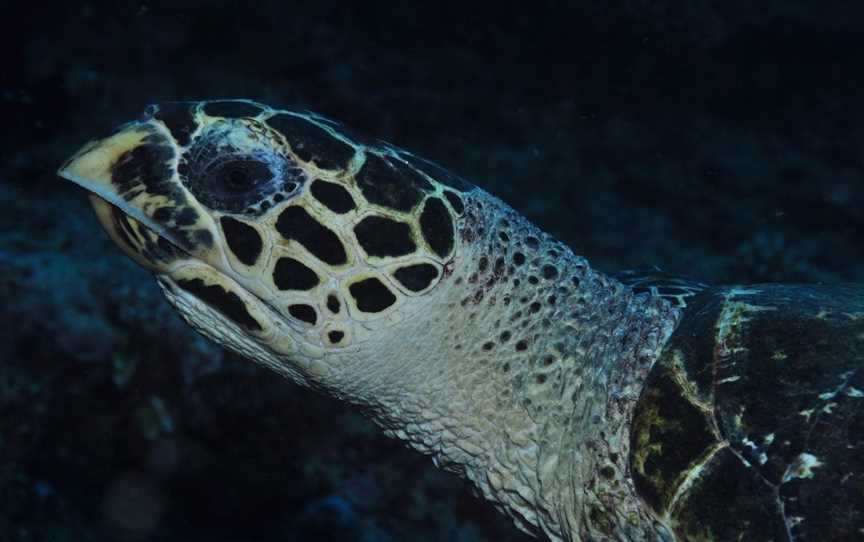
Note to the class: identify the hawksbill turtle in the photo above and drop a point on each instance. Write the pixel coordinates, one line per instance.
(584, 406)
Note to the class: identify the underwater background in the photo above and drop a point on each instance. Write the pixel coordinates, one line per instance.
(722, 140)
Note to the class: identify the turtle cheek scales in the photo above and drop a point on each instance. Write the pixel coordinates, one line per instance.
(381, 237)
(226, 302)
(455, 202)
(333, 196)
(290, 274)
(243, 240)
(437, 227)
(312, 143)
(303, 312)
(333, 304)
(371, 295)
(416, 277)
(391, 184)
(295, 223)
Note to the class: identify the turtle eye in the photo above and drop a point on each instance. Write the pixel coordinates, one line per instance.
(227, 169)
(240, 182)
(237, 177)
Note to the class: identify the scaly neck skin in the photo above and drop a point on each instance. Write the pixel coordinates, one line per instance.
(521, 376)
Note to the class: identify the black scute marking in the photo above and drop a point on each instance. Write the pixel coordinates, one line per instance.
(290, 274)
(203, 238)
(185, 216)
(455, 202)
(336, 336)
(146, 166)
(295, 223)
(312, 143)
(243, 240)
(437, 172)
(147, 169)
(437, 227)
(333, 196)
(391, 184)
(179, 120)
(228, 303)
(663, 416)
(416, 277)
(729, 503)
(303, 312)
(382, 237)
(371, 295)
(333, 304)
(231, 109)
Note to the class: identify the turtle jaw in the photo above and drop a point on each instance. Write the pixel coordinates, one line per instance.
(142, 243)
(138, 199)
(135, 170)
(197, 289)
(147, 242)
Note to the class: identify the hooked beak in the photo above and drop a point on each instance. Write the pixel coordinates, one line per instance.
(142, 204)
(139, 199)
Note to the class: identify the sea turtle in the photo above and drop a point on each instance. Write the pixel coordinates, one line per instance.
(585, 407)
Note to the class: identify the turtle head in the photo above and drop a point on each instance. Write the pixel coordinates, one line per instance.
(278, 234)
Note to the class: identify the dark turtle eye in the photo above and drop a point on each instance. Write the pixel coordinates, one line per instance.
(224, 177)
(239, 176)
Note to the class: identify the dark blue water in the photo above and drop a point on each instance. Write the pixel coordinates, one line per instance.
(712, 139)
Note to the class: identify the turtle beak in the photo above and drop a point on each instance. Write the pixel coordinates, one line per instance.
(141, 202)
(139, 199)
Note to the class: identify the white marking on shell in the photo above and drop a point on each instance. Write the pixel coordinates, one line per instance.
(694, 474)
(732, 317)
(833, 393)
(762, 458)
(794, 521)
(802, 467)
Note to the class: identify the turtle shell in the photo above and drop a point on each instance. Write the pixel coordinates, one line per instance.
(751, 424)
